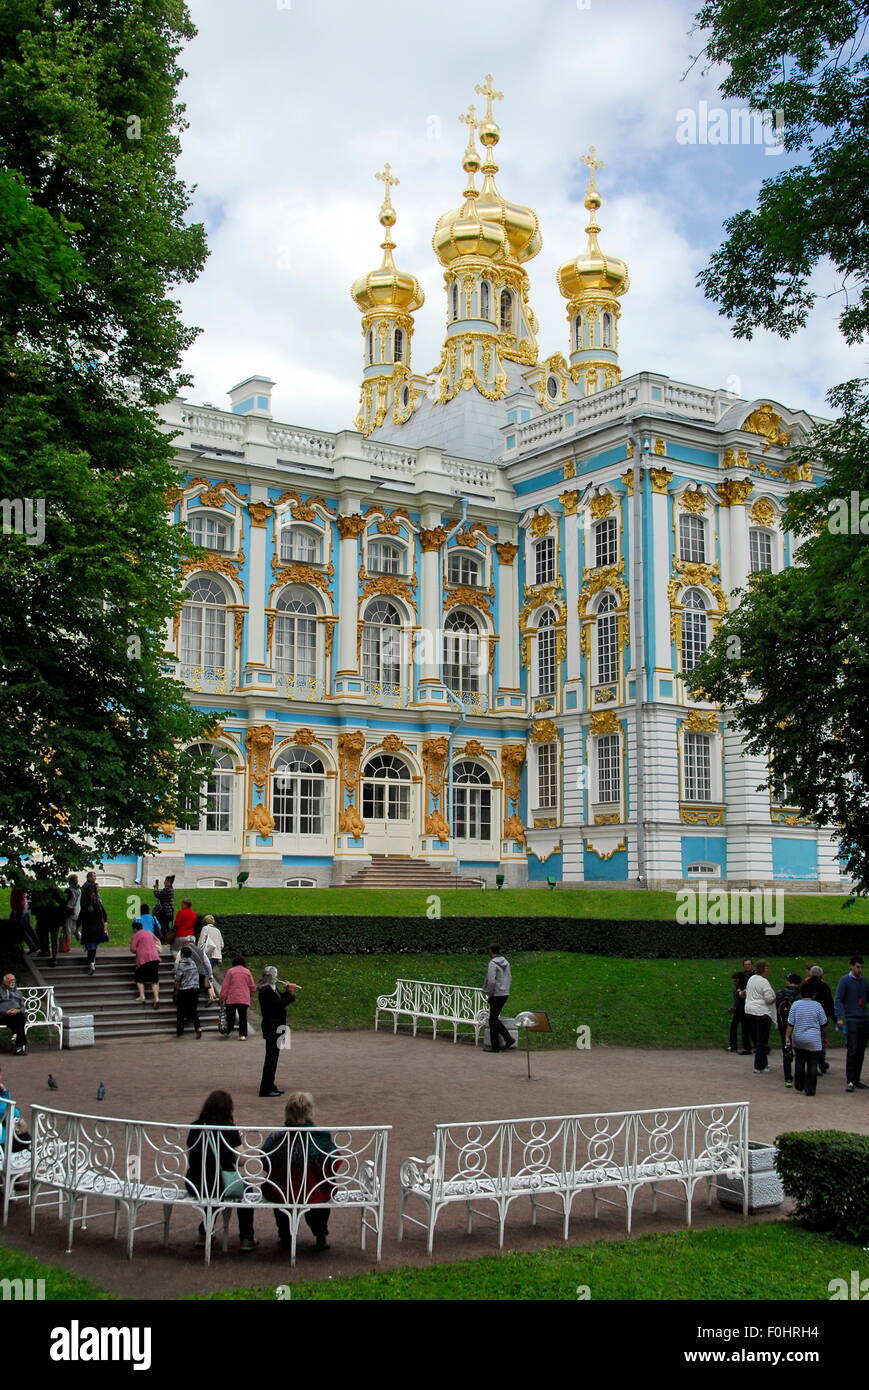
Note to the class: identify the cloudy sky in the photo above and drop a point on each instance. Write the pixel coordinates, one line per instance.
(294, 104)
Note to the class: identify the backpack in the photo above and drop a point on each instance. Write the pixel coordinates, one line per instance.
(785, 999)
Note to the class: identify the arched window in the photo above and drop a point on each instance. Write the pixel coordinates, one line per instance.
(298, 544)
(692, 538)
(607, 641)
(607, 324)
(454, 301)
(370, 348)
(381, 644)
(298, 793)
(606, 542)
(577, 333)
(465, 569)
(214, 809)
(384, 557)
(386, 789)
(544, 561)
(472, 801)
(694, 629)
(546, 653)
(697, 767)
(295, 635)
(484, 299)
(462, 654)
(398, 346)
(506, 311)
(760, 550)
(203, 624)
(212, 532)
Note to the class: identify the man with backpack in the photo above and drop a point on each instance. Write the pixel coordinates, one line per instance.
(785, 999)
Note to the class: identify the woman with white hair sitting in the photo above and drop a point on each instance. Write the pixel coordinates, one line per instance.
(302, 1167)
(273, 1008)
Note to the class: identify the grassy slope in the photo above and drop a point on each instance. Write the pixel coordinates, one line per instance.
(60, 1284)
(773, 1260)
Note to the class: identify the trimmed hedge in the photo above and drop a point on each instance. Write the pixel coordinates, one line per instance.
(287, 936)
(826, 1172)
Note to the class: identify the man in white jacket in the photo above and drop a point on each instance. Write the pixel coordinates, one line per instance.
(760, 1008)
(496, 989)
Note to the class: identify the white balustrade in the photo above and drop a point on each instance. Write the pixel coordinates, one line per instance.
(312, 443)
(215, 424)
(456, 1005)
(41, 1010)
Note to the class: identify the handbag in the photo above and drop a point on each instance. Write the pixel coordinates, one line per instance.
(222, 1024)
(232, 1182)
(284, 1039)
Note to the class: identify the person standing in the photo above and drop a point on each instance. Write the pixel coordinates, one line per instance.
(211, 941)
(145, 947)
(187, 992)
(785, 998)
(824, 996)
(273, 1008)
(497, 989)
(148, 921)
(165, 904)
(852, 1012)
(184, 927)
(19, 917)
(13, 1013)
(807, 1031)
(73, 902)
(738, 1019)
(50, 919)
(237, 992)
(93, 921)
(760, 1008)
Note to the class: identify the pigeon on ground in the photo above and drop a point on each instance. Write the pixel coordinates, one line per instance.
(52, 1084)
(101, 1091)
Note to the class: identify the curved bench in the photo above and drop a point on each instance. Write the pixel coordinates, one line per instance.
(435, 1003)
(76, 1159)
(41, 1010)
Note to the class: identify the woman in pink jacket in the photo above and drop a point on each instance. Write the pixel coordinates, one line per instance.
(237, 992)
(146, 949)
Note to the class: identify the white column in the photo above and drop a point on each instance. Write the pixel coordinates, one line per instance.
(571, 592)
(508, 612)
(256, 597)
(431, 537)
(349, 529)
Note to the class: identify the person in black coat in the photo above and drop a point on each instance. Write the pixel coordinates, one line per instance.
(273, 1008)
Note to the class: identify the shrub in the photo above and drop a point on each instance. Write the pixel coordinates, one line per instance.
(826, 1172)
(323, 935)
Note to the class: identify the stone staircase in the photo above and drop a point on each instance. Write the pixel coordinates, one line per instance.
(110, 994)
(401, 871)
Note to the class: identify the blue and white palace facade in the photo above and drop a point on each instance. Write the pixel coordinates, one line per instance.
(458, 631)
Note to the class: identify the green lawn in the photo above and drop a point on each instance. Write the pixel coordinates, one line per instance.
(60, 1284)
(461, 902)
(627, 1003)
(769, 1261)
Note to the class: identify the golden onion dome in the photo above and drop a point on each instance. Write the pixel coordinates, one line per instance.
(388, 287)
(462, 231)
(520, 223)
(592, 269)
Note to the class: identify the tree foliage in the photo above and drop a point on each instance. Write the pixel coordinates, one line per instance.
(95, 236)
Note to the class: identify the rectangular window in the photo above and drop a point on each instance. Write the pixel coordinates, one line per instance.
(697, 773)
(760, 548)
(606, 542)
(607, 648)
(547, 776)
(385, 559)
(692, 538)
(546, 661)
(544, 561)
(609, 781)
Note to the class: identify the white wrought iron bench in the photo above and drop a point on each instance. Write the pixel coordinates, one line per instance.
(559, 1157)
(129, 1164)
(41, 1010)
(14, 1163)
(457, 1005)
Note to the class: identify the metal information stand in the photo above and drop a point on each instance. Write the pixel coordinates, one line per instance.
(533, 1021)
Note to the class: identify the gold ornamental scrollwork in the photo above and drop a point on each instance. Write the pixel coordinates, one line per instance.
(628, 480)
(472, 597)
(570, 502)
(544, 731)
(259, 820)
(395, 588)
(259, 513)
(349, 527)
(661, 479)
(258, 741)
(569, 469)
(601, 505)
(660, 447)
(351, 746)
(218, 564)
(701, 722)
(541, 525)
(604, 722)
(512, 760)
(763, 513)
(734, 492)
(701, 815)
(693, 501)
(304, 738)
(432, 539)
(506, 552)
(212, 496)
(608, 854)
(434, 761)
(767, 423)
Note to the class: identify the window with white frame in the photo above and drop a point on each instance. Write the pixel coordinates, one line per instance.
(609, 780)
(506, 311)
(607, 326)
(465, 569)
(544, 561)
(212, 532)
(213, 813)
(298, 792)
(606, 542)
(697, 767)
(381, 644)
(462, 654)
(386, 789)
(485, 296)
(472, 801)
(760, 550)
(547, 776)
(607, 634)
(298, 544)
(454, 301)
(398, 346)
(203, 623)
(295, 634)
(577, 333)
(300, 883)
(695, 628)
(692, 538)
(779, 792)
(370, 343)
(385, 557)
(546, 663)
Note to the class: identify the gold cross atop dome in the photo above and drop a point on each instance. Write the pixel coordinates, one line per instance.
(387, 211)
(471, 160)
(487, 90)
(593, 164)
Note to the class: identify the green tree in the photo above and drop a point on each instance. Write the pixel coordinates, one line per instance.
(95, 236)
(791, 663)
